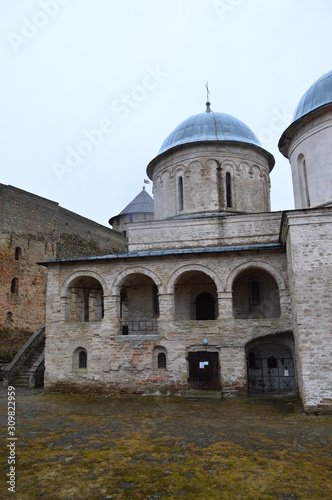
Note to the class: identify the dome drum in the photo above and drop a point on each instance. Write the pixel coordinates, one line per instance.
(307, 145)
(210, 163)
(204, 179)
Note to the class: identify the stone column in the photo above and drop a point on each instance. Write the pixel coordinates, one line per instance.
(112, 314)
(225, 304)
(166, 306)
(285, 306)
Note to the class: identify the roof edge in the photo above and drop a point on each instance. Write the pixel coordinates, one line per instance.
(171, 251)
(286, 137)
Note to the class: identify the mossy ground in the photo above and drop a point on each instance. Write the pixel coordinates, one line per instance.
(83, 447)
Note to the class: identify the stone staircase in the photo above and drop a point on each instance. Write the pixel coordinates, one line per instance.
(27, 368)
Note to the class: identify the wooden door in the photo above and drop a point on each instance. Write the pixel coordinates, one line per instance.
(204, 370)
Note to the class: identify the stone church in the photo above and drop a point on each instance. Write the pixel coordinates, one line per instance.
(215, 292)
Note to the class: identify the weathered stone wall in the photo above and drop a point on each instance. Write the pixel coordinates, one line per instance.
(81, 237)
(204, 180)
(205, 231)
(127, 362)
(309, 255)
(41, 230)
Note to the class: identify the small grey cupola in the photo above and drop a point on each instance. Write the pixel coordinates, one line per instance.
(141, 208)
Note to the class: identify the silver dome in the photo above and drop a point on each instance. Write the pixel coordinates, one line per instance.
(319, 94)
(209, 126)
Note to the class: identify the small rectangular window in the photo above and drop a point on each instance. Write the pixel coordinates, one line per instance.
(82, 359)
(18, 253)
(14, 286)
(162, 360)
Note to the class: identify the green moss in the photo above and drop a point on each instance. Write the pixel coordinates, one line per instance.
(98, 452)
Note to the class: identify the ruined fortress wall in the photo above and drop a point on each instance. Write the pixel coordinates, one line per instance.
(33, 229)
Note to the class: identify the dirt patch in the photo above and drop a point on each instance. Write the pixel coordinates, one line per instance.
(74, 446)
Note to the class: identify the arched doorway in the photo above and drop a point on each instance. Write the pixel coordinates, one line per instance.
(205, 306)
(195, 297)
(270, 369)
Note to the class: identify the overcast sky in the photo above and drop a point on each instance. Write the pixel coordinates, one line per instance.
(91, 88)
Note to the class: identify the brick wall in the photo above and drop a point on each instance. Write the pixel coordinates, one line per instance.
(41, 230)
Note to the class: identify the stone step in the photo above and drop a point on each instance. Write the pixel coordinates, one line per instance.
(203, 394)
(20, 382)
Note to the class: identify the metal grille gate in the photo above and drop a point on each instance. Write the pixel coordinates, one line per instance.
(271, 375)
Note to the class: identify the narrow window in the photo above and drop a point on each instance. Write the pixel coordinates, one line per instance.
(303, 179)
(180, 194)
(228, 190)
(162, 360)
(9, 319)
(18, 253)
(255, 293)
(82, 359)
(14, 286)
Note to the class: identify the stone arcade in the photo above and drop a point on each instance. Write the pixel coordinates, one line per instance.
(215, 292)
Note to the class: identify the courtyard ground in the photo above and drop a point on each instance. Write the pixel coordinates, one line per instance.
(79, 446)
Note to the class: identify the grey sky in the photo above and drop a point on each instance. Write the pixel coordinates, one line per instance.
(91, 88)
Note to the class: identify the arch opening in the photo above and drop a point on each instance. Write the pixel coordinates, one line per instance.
(270, 368)
(160, 358)
(80, 359)
(195, 297)
(303, 179)
(255, 295)
(86, 300)
(139, 305)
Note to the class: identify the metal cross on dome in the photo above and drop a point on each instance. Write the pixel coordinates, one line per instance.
(207, 91)
(208, 110)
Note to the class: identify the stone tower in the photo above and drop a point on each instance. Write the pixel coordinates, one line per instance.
(307, 144)
(140, 209)
(211, 163)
